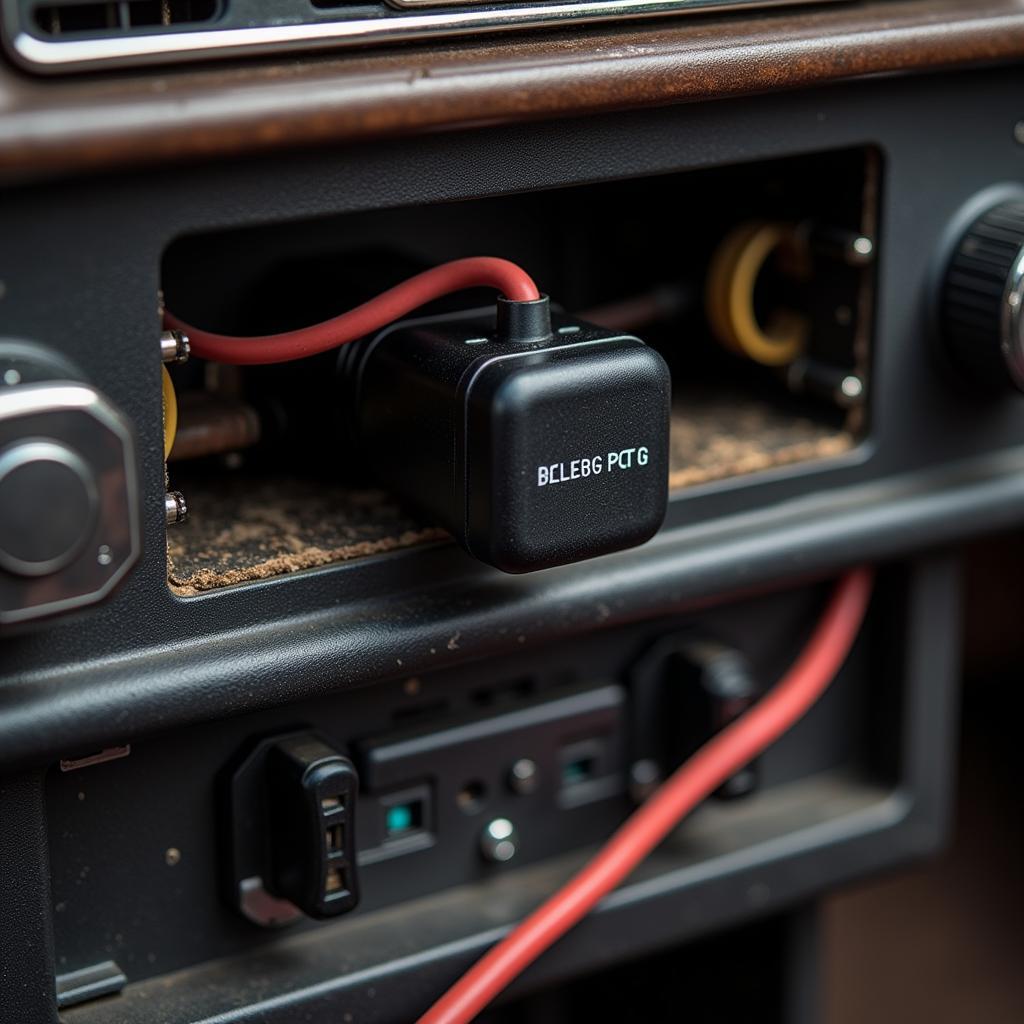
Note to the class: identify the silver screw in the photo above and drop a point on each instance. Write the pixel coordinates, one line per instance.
(175, 507)
(523, 776)
(174, 347)
(835, 243)
(862, 250)
(499, 842)
(852, 387)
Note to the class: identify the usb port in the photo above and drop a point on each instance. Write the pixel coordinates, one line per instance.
(578, 771)
(402, 818)
(406, 819)
(589, 770)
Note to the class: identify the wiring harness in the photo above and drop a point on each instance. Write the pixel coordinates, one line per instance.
(474, 272)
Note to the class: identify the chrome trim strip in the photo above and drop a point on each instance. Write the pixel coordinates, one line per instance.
(75, 54)
(55, 396)
(1012, 322)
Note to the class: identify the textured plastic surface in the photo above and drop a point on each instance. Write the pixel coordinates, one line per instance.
(860, 784)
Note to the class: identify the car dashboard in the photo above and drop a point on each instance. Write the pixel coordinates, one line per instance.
(327, 658)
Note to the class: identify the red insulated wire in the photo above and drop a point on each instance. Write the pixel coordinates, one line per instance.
(474, 272)
(698, 777)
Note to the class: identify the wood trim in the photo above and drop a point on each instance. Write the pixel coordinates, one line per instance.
(60, 126)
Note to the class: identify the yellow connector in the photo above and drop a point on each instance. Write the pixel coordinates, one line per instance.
(170, 403)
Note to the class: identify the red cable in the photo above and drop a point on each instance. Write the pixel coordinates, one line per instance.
(701, 775)
(474, 272)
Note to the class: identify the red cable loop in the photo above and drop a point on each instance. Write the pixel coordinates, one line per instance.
(700, 776)
(475, 272)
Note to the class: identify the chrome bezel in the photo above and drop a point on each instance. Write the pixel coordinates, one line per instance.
(54, 399)
(412, 22)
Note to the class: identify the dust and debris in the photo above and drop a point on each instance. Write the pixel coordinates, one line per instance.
(245, 529)
(453, 642)
(717, 438)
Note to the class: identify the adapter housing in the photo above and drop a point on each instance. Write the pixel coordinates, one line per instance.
(532, 454)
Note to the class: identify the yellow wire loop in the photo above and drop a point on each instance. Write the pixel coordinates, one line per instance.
(732, 278)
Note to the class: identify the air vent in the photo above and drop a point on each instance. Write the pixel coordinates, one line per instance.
(116, 16)
(73, 35)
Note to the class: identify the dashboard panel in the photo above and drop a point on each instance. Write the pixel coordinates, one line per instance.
(247, 610)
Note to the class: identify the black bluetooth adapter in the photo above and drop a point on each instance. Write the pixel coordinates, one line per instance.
(536, 443)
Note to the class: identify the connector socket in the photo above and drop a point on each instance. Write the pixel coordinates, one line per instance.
(313, 792)
(291, 814)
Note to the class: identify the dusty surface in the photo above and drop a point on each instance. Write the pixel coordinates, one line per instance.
(716, 438)
(242, 530)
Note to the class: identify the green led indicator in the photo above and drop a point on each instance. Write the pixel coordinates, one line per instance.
(398, 818)
(577, 771)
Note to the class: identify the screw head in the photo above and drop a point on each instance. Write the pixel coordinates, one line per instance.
(523, 776)
(863, 247)
(852, 386)
(499, 842)
(174, 347)
(175, 508)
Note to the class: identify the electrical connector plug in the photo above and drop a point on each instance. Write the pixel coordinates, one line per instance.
(536, 440)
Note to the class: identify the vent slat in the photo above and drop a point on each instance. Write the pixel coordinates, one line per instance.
(117, 17)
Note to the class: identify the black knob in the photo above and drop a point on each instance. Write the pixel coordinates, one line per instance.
(983, 295)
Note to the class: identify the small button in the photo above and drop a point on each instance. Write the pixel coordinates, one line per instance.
(523, 776)
(499, 842)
